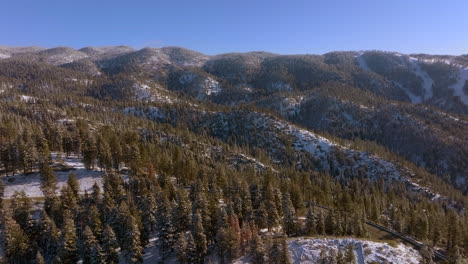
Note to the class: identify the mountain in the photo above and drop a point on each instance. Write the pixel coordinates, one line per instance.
(242, 143)
(414, 105)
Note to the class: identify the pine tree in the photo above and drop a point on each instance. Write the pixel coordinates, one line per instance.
(278, 253)
(48, 237)
(94, 221)
(192, 252)
(2, 193)
(427, 255)
(148, 218)
(48, 179)
(310, 225)
(17, 248)
(110, 246)
(257, 250)
(39, 258)
(331, 258)
(73, 184)
(349, 255)
(199, 237)
(455, 256)
(92, 250)
(180, 248)
(164, 227)
(261, 215)
(340, 257)
(181, 213)
(285, 253)
(271, 207)
(68, 252)
(320, 224)
(330, 223)
(289, 216)
(131, 242)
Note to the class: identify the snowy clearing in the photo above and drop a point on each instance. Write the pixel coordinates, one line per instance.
(307, 251)
(31, 183)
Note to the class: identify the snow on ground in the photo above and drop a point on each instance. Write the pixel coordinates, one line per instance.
(4, 56)
(320, 148)
(362, 63)
(427, 80)
(458, 87)
(211, 86)
(31, 183)
(290, 105)
(28, 99)
(307, 251)
(144, 92)
(151, 112)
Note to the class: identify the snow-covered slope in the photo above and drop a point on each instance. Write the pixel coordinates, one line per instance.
(31, 183)
(458, 87)
(307, 251)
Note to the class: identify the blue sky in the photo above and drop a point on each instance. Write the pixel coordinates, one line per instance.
(217, 26)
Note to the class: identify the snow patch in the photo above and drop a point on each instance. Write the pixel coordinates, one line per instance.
(307, 251)
(211, 86)
(427, 80)
(151, 112)
(362, 62)
(458, 87)
(31, 183)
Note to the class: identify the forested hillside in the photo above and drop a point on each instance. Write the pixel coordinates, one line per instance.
(167, 155)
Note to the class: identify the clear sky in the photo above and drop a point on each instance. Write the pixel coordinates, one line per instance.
(217, 26)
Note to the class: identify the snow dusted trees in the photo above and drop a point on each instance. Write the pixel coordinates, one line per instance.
(257, 250)
(164, 227)
(278, 252)
(92, 252)
(68, 248)
(289, 216)
(131, 241)
(110, 246)
(198, 233)
(310, 227)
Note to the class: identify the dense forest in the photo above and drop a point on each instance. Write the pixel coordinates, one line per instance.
(206, 179)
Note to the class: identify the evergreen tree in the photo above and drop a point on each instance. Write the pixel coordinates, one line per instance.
(199, 237)
(340, 259)
(164, 227)
(278, 253)
(192, 252)
(181, 212)
(320, 224)
(180, 248)
(257, 250)
(131, 242)
(310, 225)
(92, 253)
(261, 215)
(289, 216)
(48, 179)
(17, 244)
(73, 184)
(350, 257)
(110, 246)
(427, 255)
(39, 258)
(68, 252)
(48, 238)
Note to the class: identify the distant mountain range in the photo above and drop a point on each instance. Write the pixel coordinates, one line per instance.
(415, 106)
